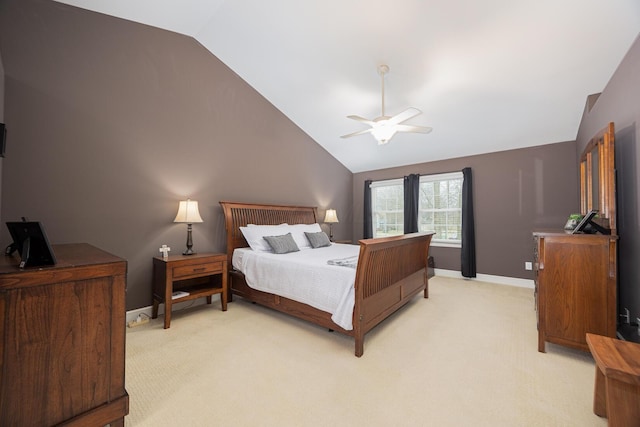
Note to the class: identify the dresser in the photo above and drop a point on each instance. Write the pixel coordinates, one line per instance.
(62, 340)
(575, 287)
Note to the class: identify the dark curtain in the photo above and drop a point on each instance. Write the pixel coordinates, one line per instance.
(411, 195)
(368, 221)
(468, 229)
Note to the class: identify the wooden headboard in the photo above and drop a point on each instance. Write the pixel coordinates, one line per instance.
(238, 215)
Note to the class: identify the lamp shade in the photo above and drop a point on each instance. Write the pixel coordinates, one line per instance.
(331, 216)
(188, 212)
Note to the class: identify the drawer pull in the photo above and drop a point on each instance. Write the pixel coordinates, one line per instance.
(195, 270)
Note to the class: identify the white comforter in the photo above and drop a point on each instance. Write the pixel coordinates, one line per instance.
(305, 277)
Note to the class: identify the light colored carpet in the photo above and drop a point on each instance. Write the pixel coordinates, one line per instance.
(465, 356)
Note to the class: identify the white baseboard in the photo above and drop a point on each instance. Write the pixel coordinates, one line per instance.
(501, 280)
(147, 311)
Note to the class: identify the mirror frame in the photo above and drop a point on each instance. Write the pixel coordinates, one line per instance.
(603, 145)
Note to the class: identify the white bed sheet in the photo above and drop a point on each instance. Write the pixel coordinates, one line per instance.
(305, 277)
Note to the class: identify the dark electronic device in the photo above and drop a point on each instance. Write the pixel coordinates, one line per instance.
(587, 225)
(31, 242)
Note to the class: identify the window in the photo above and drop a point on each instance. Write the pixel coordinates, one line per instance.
(440, 207)
(387, 207)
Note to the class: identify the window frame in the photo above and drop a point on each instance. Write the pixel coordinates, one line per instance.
(385, 183)
(449, 243)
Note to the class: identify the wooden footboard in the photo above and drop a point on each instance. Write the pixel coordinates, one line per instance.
(390, 271)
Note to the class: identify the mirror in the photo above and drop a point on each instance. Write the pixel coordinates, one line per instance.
(597, 178)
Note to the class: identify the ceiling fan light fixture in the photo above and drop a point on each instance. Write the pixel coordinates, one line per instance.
(383, 131)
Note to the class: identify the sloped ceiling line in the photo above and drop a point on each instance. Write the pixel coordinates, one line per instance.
(488, 76)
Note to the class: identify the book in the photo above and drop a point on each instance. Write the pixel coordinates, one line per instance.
(179, 294)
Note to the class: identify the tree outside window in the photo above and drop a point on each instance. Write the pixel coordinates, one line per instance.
(387, 203)
(439, 207)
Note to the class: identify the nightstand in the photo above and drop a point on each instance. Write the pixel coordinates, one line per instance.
(186, 274)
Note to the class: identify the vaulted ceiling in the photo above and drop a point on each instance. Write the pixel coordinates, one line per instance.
(488, 76)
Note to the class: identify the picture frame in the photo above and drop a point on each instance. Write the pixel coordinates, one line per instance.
(31, 242)
(581, 227)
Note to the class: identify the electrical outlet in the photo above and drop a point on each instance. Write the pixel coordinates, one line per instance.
(528, 266)
(638, 323)
(626, 316)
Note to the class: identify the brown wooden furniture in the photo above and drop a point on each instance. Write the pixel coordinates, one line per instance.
(576, 274)
(62, 343)
(575, 282)
(617, 383)
(390, 271)
(177, 273)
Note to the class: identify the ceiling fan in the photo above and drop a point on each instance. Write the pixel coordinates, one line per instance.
(383, 128)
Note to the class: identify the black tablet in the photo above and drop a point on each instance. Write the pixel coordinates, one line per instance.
(31, 242)
(580, 228)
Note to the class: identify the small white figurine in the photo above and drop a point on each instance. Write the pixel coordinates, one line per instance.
(165, 251)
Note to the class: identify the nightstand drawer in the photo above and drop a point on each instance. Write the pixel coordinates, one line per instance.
(187, 271)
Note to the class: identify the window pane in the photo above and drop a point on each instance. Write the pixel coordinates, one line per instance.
(441, 206)
(388, 210)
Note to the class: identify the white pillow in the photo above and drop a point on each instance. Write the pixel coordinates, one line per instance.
(255, 233)
(298, 230)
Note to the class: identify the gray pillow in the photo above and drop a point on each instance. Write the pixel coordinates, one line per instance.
(318, 240)
(282, 244)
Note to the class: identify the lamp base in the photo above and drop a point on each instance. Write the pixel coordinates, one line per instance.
(189, 251)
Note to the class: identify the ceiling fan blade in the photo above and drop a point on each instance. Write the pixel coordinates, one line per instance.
(411, 128)
(405, 115)
(362, 132)
(361, 119)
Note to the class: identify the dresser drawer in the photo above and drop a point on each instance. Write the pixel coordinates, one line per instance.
(195, 270)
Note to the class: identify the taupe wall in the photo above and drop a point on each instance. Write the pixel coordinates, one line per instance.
(1, 118)
(1, 89)
(112, 123)
(620, 103)
(515, 192)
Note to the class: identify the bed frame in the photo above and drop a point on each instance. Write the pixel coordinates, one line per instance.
(390, 271)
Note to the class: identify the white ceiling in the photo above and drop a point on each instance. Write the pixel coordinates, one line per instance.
(488, 75)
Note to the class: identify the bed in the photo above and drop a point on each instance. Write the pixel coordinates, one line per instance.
(390, 271)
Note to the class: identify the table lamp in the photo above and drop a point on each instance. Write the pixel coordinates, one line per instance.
(331, 217)
(188, 213)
